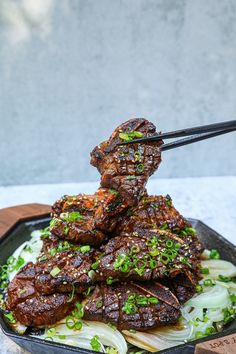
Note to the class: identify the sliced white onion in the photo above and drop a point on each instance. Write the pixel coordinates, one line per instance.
(179, 335)
(213, 297)
(219, 267)
(81, 338)
(215, 315)
(35, 244)
(149, 341)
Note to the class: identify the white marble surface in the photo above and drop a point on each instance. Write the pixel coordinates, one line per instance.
(211, 199)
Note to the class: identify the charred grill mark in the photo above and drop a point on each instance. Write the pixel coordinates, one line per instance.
(142, 316)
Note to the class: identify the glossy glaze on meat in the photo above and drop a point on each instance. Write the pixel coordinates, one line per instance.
(30, 307)
(94, 216)
(151, 212)
(73, 269)
(127, 168)
(154, 212)
(145, 255)
(137, 251)
(107, 304)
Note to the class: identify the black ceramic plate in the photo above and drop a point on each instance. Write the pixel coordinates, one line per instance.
(21, 232)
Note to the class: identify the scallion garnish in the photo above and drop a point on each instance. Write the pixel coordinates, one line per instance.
(205, 270)
(84, 249)
(10, 317)
(140, 168)
(224, 279)
(169, 243)
(208, 282)
(96, 344)
(72, 217)
(109, 280)
(130, 135)
(214, 254)
(55, 271)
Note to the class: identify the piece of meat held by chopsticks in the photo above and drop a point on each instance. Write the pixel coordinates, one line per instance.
(85, 218)
(127, 168)
(30, 307)
(133, 305)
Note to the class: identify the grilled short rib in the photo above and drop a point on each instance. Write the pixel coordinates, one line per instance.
(155, 212)
(151, 212)
(133, 306)
(65, 271)
(145, 255)
(126, 168)
(30, 307)
(87, 218)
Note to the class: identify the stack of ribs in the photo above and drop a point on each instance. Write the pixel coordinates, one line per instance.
(130, 258)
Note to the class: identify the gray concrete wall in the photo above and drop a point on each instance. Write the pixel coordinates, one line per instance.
(71, 71)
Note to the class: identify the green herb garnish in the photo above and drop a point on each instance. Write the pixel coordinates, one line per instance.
(214, 254)
(55, 271)
(96, 344)
(130, 136)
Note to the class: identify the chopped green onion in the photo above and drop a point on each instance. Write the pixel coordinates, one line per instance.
(140, 168)
(96, 344)
(164, 226)
(129, 308)
(214, 254)
(190, 231)
(154, 252)
(79, 311)
(208, 282)
(113, 191)
(177, 246)
(205, 270)
(95, 265)
(78, 325)
(84, 249)
(199, 334)
(210, 330)
(233, 298)
(152, 242)
(137, 156)
(70, 322)
(130, 178)
(55, 271)
(72, 293)
(229, 314)
(130, 136)
(135, 249)
(109, 280)
(169, 243)
(141, 300)
(51, 332)
(153, 264)
(62, 336)
(53, 251)
(10, 317)
(164, 258)
(66, 229)
(72, 217)
(45, 232)
(153, 300)
(224, 279)
(98, 304)
(199, 288)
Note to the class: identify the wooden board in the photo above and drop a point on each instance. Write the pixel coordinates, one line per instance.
(9, 217)
(223, 345)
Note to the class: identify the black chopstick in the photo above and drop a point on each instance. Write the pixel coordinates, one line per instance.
(186, 132)
(194, 139)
